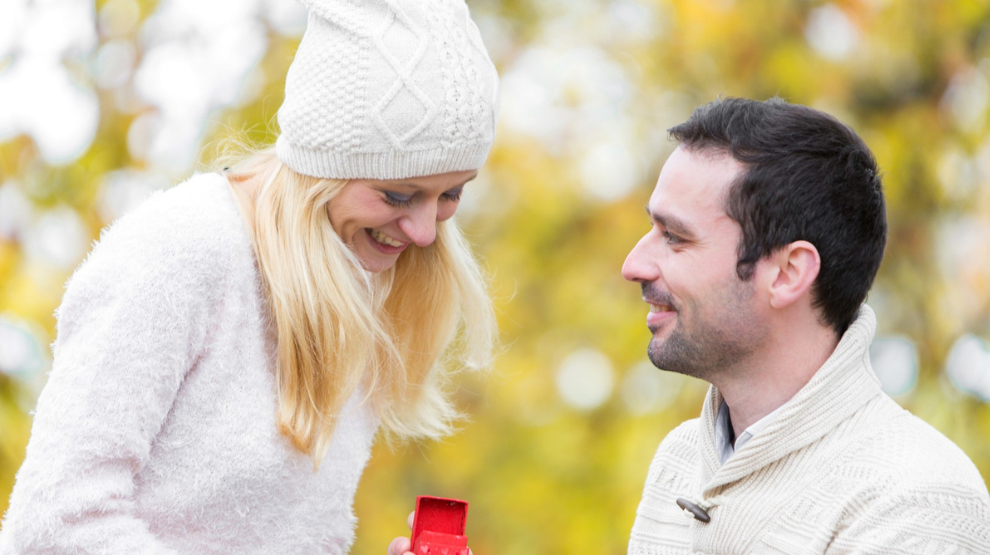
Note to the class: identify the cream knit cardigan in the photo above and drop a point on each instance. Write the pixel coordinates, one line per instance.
(156, 431)
(841, 470)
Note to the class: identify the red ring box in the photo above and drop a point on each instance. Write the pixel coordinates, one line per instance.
(438, 528)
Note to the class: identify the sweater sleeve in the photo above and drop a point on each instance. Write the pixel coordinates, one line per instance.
(928, 522)
(927, 498)
(133, 318)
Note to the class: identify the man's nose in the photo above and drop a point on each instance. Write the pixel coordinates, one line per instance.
(641, 263)
(420, 225)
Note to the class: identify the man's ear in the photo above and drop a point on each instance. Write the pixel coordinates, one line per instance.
(796, 266)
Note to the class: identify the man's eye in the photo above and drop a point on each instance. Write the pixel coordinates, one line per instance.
(397, 200)
(671, 239)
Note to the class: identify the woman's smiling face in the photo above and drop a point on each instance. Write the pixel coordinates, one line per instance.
(378, 219)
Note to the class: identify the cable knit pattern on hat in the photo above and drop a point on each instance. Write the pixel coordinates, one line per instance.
(841, 470)
(388, 89)
(156, 432)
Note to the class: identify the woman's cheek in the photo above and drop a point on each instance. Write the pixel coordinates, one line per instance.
(446, 210)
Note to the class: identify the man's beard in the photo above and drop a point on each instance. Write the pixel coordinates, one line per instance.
(727, 333)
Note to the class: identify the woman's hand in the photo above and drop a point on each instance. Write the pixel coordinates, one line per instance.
(400, 545)
(403, 546)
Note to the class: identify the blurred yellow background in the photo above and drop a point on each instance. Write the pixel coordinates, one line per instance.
(102, 104)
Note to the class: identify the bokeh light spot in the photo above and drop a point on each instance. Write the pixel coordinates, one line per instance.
(895, 362)
(968, 366)
(647, 389)
(585, 379)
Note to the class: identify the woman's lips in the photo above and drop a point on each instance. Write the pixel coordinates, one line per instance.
(385, 243)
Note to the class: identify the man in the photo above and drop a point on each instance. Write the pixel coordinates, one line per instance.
(768, 228)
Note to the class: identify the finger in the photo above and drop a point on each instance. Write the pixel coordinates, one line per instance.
(399, 546)
(410, 519)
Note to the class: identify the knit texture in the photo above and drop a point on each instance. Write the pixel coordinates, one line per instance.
(841, 470)
(388, 89)
(156, 431)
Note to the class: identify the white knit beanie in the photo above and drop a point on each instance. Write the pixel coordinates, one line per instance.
(388, 89)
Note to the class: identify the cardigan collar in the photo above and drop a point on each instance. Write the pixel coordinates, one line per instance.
(839, 388)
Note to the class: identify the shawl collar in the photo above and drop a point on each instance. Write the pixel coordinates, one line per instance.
(838, 389)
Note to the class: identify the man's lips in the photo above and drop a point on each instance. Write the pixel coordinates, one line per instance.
(658, 313)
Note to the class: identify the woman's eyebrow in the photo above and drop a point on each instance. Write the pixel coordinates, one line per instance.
(411, 185)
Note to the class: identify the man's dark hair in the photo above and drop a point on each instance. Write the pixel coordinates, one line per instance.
(808, 177)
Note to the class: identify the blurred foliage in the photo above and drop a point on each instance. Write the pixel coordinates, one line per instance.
(543, 477)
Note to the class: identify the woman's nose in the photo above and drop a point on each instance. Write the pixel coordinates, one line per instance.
(420, 225)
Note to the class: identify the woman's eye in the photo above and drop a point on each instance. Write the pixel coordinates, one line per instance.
(397, 200)
(453, 196)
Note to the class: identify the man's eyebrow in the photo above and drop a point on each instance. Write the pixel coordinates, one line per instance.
(672, 223)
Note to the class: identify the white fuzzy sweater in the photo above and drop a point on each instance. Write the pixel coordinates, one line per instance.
(841, 470)
(156, 431)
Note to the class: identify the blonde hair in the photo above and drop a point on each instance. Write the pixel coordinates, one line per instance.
(394, 336)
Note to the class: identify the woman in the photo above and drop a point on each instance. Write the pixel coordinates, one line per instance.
(227, 352)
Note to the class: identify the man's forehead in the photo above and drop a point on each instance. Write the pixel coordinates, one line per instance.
(693, 184)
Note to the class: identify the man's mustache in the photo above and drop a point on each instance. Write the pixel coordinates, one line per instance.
(654, 295)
